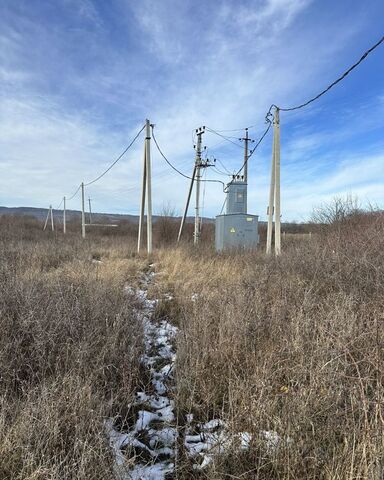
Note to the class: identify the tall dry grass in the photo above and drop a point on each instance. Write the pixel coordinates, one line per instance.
(291, 344)
(69, 349)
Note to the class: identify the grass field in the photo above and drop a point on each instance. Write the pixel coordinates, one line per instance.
(292, 345)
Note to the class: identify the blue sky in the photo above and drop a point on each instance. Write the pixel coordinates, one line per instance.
(79, 77)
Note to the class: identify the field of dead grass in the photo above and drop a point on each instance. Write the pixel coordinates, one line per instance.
(292, 345)
(69, 349)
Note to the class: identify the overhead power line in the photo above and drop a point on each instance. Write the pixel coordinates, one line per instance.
(74, 195)
(176, 169)
(228, 139)
(323, 92)
(117, 159)
(235, 129)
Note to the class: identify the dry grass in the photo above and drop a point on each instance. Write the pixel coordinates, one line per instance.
(69, 350)
(293, 345)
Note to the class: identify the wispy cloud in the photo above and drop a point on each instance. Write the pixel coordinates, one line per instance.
(79, 79)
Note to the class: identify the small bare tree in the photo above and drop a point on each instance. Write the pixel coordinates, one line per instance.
(166, 225)
(337, 211)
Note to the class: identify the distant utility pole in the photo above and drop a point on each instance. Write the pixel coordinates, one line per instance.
(82, 211)
(274, 192)
(46, 220)
(52, 224)
(198, 165)
(90, 210)
(146, 192)
(49, 214)
(64, 216)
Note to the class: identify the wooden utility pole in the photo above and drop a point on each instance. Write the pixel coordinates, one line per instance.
(274, 191)
(82, 211)
(146, 192)
(64, 216)
(197, 232)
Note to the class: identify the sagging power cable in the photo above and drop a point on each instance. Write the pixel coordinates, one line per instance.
(223, 136)
(117, 159)
(323, 92)
(74, 195)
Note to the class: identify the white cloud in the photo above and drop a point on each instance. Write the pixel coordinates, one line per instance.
(221, 66)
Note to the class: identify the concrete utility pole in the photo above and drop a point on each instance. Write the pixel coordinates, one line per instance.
(187, 204)
(246, 139)
(142, 205)
(277, 183)
(90, 210)
(270, 209)
(52, 224)
(146, 191)
(64, 217)
(197, 232)
(149, 188)
(82, 211)
(46, 220)
(274, 192)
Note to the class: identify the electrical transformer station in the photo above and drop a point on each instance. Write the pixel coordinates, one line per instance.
(236, 229)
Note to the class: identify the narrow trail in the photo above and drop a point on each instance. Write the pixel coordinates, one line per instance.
(147, 450)
(151, 444)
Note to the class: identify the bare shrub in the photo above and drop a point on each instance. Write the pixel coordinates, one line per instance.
(337, 211)
(166, 227)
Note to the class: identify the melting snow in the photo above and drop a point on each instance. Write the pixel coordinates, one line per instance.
(154, 435)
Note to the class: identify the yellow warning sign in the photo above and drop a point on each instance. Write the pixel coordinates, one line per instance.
(232, 230)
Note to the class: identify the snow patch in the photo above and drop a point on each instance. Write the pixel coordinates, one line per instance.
(154, 433)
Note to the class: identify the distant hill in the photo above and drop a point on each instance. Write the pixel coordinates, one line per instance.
(41, 213)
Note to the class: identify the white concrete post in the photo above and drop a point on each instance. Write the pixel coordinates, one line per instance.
(270, 210)
(196, 238)
(52, 224)
(142, 206)
(149, 190)
(64, 217)
(82, 211)
(46, 220)
(277, 183)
